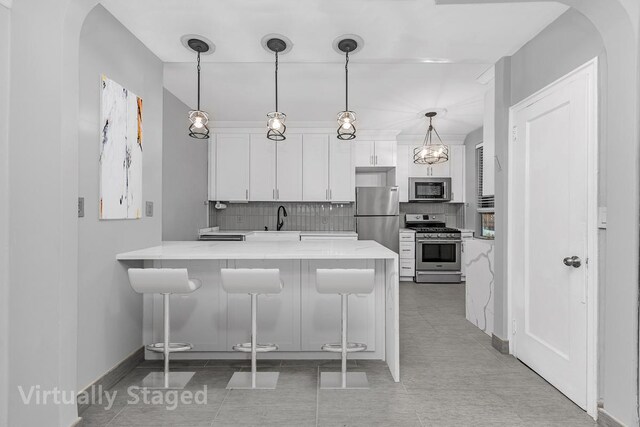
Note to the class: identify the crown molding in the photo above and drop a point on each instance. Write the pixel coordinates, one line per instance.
(6, 3)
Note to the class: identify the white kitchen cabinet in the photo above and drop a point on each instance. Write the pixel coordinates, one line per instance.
(457, 155)
(212, 168)
(363, 153)
(385, 153)
(402, 172)
(289, 169)
(375, 154)
(341, 172)
(278, 315)
(262, 163)
(440, 170)
(315, 168)
(407, 254)
(232, 167)
(320, 317)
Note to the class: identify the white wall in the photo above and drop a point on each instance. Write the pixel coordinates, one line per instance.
(109, 312)
(184, 174)
(4, 208)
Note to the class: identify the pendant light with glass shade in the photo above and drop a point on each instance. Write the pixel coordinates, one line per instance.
(431, 153)
(347, 118)
(198, 118)
(275, 119)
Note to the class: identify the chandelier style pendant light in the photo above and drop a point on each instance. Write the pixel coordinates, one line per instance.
(430, 153)
(346, 118)
(199, 119)
(275, 120)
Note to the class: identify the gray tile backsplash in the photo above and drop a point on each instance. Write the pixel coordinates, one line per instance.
(453, 212)
(301, 216)
(316, 216)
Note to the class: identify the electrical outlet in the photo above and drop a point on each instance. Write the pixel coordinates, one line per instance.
(149, 209)
(240, 219)
(80, 207)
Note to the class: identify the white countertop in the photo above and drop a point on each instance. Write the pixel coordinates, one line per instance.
(212, 250)
(407, 230)
(302, 233)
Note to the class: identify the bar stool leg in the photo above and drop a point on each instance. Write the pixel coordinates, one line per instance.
(166, 379)
(344, 339)
(254, 315)
(166, 340)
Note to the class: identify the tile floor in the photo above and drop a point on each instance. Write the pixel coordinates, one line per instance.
(451, 376)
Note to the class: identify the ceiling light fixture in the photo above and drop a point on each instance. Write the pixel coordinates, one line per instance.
(430, 153)
(199, 119)
(275, 120)
(347, 118)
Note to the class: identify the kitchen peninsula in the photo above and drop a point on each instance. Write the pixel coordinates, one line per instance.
(299, 319)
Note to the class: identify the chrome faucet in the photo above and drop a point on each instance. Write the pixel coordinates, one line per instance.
(281, 220)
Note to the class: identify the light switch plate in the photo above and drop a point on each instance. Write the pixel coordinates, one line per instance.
(149, 209)
(80, 207)
(602, 217)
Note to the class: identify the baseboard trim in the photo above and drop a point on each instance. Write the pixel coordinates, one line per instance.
(116, 373)
(499, 344)
(607, 420)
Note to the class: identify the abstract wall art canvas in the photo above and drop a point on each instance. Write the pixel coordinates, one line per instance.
(120, 152)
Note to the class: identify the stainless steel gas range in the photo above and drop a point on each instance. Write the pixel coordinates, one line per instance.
(438, 249)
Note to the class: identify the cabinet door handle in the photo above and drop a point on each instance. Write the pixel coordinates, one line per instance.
(278, 193)
(330, 194)
(376, 159)
(273, 194)
(246, 194)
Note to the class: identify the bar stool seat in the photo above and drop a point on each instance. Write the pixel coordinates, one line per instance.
(164, 281)
(344, 282)
(252, 281)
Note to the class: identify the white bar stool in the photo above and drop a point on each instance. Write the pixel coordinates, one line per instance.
(252, 281)
(344, 282)
(165, 281)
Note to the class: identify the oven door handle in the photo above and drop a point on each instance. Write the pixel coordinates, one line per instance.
(438, 241)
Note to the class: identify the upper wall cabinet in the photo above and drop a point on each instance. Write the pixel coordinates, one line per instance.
(375, 153)
(440, 170)
(328, 174)
(315, 168)
(232, 167)
(341, 172)
(289, 169)
(402, 171)
(457, 155)
(276, 169)
(262, 173)
(212, 167)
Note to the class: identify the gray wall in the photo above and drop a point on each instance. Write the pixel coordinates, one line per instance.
(184, 174)
(4, 209)
(109, 312)
(471, 212)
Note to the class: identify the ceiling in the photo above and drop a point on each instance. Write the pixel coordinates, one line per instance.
(416, 56)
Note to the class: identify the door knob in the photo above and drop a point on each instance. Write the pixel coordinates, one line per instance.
(572, 261)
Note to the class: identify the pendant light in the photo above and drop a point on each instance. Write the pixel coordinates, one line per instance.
(275, 120)
(346, 118)
(199, 119)
(430, 153)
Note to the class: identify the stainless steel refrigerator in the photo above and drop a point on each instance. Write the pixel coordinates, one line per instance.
(377, 217)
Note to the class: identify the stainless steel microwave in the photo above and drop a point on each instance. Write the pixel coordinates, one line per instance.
(429, 189)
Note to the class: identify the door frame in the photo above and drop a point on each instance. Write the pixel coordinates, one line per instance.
(592, 262)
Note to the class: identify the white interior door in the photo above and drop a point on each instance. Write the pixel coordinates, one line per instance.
(551, 187)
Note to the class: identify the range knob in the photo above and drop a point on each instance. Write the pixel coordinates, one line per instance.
(440, 235)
